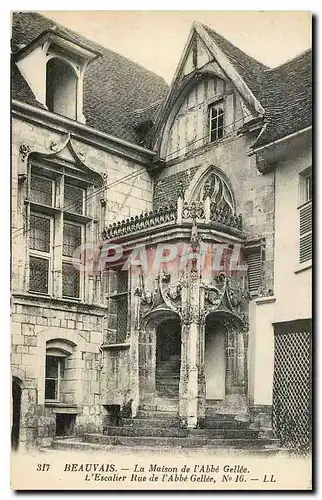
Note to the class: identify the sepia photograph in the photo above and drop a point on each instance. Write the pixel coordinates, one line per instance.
(161, 250)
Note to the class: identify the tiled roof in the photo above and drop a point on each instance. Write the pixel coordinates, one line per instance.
(119, 95)
(286, 95)
(247, 67)
(114, 87)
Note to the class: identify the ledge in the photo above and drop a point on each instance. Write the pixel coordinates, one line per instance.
(304, 267)
(265, 300)
(73, 305)
(115, 346)
(59, 407)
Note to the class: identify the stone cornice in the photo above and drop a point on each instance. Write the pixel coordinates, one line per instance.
(84, 133)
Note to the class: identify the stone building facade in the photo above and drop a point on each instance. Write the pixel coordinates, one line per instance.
(145, 239)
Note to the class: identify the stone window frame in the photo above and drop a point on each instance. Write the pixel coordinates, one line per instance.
(70, 343)
(58, 214)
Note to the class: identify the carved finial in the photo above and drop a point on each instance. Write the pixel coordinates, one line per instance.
(24, 151)
(53, 146)
(207, 189)
(180, 191)
(105, 179)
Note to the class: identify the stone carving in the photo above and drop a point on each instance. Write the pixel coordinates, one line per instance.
(53, 146)
(24, 151)
(171, 292)
(141, 222)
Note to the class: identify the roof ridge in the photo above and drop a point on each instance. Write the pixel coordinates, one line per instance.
(292, 59)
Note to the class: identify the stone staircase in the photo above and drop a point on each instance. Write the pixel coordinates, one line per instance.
(161, 428)
(167, 380)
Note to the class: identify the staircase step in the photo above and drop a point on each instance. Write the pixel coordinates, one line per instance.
(152, 413)
(225, 433)
(189, 442)
(147, 431)
(220, 423)
(77, 444)
(152, 422)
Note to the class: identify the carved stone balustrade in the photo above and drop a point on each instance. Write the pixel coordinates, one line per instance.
(199, 212)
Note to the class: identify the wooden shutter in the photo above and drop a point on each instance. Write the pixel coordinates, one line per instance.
(254, 271)
(306, 232)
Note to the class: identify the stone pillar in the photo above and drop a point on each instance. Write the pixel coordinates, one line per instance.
(192, 379)
(147, 365)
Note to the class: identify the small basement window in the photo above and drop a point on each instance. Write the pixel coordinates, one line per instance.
(61, 88)
(65, 424)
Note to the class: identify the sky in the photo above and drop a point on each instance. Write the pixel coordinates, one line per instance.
(156, 39)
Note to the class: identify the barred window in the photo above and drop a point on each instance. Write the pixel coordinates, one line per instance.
(72, 238)
(118, 289)
(41, 190)
(216, 121)
(56, 229)
(71, 280)
(39, 237)
(73, 199)
(38, 274)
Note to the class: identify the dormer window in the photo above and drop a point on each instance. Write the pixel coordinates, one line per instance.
(61, 88)
(54, 65)
(216, 121)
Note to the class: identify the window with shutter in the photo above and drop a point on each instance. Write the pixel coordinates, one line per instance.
(305, 232)
(254, 270)
(305, 216)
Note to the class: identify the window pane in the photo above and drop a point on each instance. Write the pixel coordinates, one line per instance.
(71, 238)
(122, 281)
(39, 238)
(52, 366)
(41, 190)
(38, 275)
(216, 122)
(51, 389)
(122, 311)
(73, 199)
(70, 280)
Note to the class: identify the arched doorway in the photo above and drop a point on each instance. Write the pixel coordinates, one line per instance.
(168, 358)
(16, 412)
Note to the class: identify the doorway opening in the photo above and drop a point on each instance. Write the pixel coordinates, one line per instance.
(65, 424)
(215, 360)
(168, 358)
(16, 413)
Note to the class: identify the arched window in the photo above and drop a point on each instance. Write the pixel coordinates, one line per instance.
(220, 193)
(58, 353)
(61, 88)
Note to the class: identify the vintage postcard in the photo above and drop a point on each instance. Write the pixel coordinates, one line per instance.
(161, 243)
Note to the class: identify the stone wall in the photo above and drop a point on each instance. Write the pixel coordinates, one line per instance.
(32, 327)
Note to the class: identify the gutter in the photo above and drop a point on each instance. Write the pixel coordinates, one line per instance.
(85, 128)
(279, 141)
